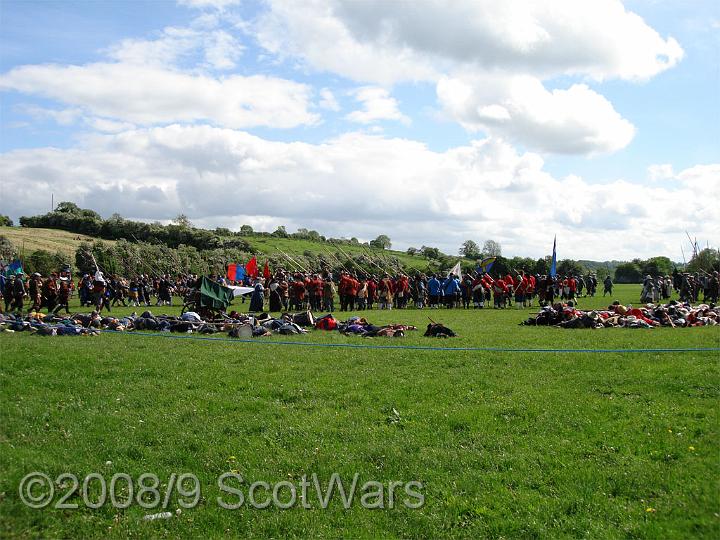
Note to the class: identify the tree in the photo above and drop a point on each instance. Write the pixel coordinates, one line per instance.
(568, 267)
(5, 221)
(246, 230)
(707, 260)
(542, 266)
(44, 262)
(182, 220)
(657, 266)
(491, 248)
(382, 242)
(430, 252)
(67, 207)
(412, 251)
(470, 249)
(280, 232)
(629, 272)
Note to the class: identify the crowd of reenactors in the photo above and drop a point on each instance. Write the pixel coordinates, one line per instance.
(357, 291)
(33, 292)
(318, 291)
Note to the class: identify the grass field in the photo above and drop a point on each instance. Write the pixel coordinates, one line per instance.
(295, 246)
(52, 240)
(505, 444)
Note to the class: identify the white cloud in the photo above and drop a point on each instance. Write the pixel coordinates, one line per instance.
(661, 172)
(222, 50)
(175, 44)
(208, 4)
(107, 126)
(510, 46)
(375, 184)
(328, 101)
(576, 120)
(377, 104)
(144, 94)
(63, 117)
(386, 42)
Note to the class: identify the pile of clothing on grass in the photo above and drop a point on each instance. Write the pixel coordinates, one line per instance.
(673, 314)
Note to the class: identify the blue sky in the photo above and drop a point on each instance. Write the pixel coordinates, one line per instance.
(432, 122)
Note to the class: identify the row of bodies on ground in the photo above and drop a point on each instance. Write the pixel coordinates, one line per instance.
(235, 325)
(673, 314)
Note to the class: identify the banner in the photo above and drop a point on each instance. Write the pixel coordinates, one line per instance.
(553, 264)
(251, 269)
(266, 271)
(14, 268)
(486, 264)
(235, 272)
(455, 270)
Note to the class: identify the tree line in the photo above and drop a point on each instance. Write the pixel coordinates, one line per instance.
(155, 248)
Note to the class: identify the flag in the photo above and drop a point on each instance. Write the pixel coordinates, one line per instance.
(486, 264)
(231, 270)
(235, 272)
(14, 268)
(553, 264)
(266, 270)
(455, 270)
(251, 269)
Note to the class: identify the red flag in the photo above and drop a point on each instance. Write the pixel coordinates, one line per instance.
(266, 271)
(251, 268)
(231, 271)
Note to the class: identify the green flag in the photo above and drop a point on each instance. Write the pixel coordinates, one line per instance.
(214, 295)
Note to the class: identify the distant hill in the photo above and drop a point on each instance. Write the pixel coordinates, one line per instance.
(52, 240)
(30, 239)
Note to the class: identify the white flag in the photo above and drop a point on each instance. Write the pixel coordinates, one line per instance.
(455, 270)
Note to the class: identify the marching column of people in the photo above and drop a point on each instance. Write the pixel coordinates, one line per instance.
(317, 291)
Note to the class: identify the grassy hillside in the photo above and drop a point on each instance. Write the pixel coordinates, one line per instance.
(54, 240)
(293, 246)
(51, 240)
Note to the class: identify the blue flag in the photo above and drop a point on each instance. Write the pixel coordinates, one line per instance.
(13, 268)
(553, 264)
(486, 264)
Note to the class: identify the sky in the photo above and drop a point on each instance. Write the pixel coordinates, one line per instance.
(430, 121)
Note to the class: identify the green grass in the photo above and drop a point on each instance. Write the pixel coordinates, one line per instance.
(505, 444)
(293, 246)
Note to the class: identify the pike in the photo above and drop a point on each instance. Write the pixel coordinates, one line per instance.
(153, 267)
(294, 265)
(294, 261)
(288, 260)
(351, 260)
(369, 254)
(336, 259)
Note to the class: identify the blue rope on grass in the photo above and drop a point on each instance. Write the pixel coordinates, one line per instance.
(261, 341)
